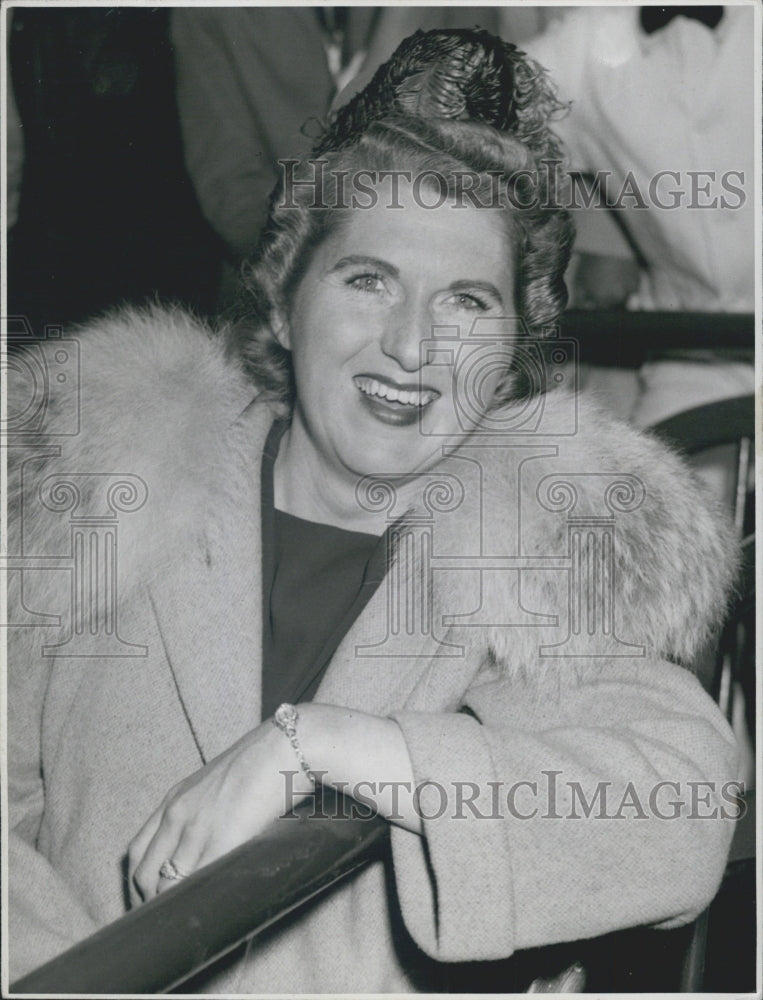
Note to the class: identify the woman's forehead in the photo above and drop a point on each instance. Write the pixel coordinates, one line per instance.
(414, 232)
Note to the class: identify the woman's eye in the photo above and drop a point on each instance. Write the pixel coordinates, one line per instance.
(463, 300)
(366, 283)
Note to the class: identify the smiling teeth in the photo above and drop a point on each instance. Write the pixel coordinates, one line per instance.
(411, 397)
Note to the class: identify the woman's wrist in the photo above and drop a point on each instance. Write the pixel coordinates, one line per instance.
(361, 755)
(298, 780)
(285, 719)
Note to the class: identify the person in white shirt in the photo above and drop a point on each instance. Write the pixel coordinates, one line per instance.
(667, 116)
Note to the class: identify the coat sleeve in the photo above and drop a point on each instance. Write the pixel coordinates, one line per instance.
(44, 914)
(583, 801)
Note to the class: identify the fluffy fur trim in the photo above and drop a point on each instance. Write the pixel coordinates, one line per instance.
(157, 393)
(663, 585)
(145, 400)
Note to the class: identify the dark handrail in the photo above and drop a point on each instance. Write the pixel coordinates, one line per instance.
(165, 942)
(658, 331)
(604, 329)
(725, 421)
(157, 946)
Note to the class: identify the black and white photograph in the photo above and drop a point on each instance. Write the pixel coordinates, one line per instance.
(378, 425)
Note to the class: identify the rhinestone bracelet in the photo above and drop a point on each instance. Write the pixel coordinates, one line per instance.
(285, 718)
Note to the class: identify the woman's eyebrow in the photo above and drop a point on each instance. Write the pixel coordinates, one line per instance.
(485, 286)
(353, 260)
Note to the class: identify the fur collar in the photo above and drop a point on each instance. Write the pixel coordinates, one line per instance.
(158, 392)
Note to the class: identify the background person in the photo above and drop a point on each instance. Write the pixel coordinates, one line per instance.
(254, 86)
(667, 100)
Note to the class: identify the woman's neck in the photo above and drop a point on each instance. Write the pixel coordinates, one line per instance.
(307, 485)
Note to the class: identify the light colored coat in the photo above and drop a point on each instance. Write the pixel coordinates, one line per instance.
(95, 742)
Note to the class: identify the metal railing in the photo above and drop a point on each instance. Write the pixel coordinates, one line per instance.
(170, 939)
(157, 946)
(630, 335)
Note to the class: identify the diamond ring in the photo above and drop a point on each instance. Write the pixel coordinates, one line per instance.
(170, 871)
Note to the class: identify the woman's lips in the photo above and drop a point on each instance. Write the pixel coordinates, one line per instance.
(396, 404)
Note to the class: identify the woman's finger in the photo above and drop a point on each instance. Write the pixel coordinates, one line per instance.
(160, 849)
(138, 846)
(139, 843)
(185, 858)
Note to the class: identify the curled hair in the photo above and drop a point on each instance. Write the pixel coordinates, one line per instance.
(523, 159)
(459, 74)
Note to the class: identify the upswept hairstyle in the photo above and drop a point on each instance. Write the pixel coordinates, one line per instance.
(514, 168)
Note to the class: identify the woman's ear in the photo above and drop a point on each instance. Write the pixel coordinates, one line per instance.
(279, 324)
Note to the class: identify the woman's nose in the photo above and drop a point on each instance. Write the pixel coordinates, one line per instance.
(405, 330)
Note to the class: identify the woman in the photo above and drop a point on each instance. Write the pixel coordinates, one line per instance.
(392, 340)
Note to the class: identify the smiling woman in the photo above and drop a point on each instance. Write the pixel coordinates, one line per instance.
(358, 296)
(368, 555)
(372, 397)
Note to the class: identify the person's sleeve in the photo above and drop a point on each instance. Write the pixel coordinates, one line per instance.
(578, 51)
(44, 914)
(536, 856)
(226, 153)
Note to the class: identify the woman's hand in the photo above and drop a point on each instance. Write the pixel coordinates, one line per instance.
(237, 795)
(232, 799)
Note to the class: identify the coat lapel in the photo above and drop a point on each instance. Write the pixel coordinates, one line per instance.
(398, 652)
(209, 610)
(367, 672)
(210, 617)
(378, 671)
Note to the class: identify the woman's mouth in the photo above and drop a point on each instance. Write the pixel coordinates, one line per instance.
(392, 403)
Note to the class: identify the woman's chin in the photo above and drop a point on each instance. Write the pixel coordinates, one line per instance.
(395, 459)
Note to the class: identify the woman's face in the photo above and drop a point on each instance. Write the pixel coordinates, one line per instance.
(379, 331)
